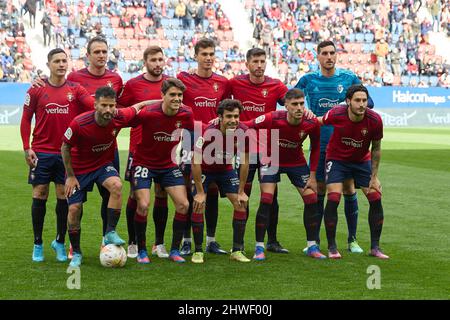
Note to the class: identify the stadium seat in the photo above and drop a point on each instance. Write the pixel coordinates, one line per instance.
(229, 35)
(433, 81)
(75, 53)
(404, 80)
(359, 37)
(129, 33)
(64, 20)
(368, 37)
(294, 67)
(81, 42)
(424, 78)
(115, 21)
(310, 46)
(105, 20)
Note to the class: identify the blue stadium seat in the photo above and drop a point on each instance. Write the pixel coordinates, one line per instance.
(404, 80)
(75, 53)
(165, 23)
(105, 21)
(366, 48)
(64, 20)
(81, 42)
(414, 78)
(122, 65)
(112, 42)
(109, 32)
(184, 65)
(351, 37)
(310, 46)
(169, 34)
(395, 37)
(174, 44)
(359, 37)
(294, 67)
(301, 46)
(368, 37)
(95, 19)
(424, 78)
(220, 55)
(434, 81)
(170, 13)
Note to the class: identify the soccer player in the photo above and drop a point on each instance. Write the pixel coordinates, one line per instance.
(213, 157)
(324, 89)
(293, 128)
(259, 94)
(154, 156)
(95, 76)
(348, 157)
(204, 91)
(88, 155)
(53, 106)
(146, 86)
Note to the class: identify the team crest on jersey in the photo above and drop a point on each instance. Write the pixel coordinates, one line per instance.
(364, 131)
(69, 96)
(301, 134)
(109, 84)
(215, 87)
(264, 92)
(27, 99)
(114, 132)
(178, 124)
(340, 88)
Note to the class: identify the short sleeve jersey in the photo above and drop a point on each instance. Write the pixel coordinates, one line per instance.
(160, 136)
(350, 140)
(93, 145)
(137, 90)
(203, 95)
(54, 108)
(323, 93)
(218, 150)
(291, 138)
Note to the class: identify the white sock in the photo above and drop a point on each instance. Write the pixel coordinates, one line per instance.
(187, 240)
(260, 244)
(311, 243)
(210, 239)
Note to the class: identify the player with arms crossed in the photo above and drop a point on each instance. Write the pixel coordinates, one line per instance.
(293, 128)
(356, 128)
(259, 94)
(204, 91)
(214, 152)
(53, 106)
(324, 89)
(146, 86)
(88, 154)
(162, 125)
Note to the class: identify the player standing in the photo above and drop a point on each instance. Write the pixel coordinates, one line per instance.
(204, 91)
(348, 157)
(216, 167)
(324, 89)
(259, 94)
(162, 125)
(53, 106)
(293, 128)
(146, 86)
(88, 155)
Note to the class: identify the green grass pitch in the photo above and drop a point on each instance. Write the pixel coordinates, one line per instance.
(415, 174)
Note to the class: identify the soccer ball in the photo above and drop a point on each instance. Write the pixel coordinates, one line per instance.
(113, 256)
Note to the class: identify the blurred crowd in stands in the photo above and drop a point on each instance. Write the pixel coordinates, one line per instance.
(385, 42)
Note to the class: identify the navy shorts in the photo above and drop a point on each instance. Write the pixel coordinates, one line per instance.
(129, 166)
(227, 181)
(337, 171)
(50, 167)
(142, 177)
(87, 181)
(298, 175)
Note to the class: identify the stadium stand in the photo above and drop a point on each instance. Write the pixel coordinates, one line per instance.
(378, 40)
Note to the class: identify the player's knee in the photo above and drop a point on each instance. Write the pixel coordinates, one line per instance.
(142, 207)
(40, 192)
(116, 189)
(182, 207)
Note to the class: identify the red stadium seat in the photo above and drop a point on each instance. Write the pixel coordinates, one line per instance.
(129, 33)
(114, 21)
(229, 35)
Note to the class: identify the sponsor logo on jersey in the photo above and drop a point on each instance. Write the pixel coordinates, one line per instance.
(254, 107)
(54, 108)
(364, 132)
(205, 102)
(328, 103)
(287, 144)
(102, 147)
(70, 96)
(340, 88)
(162, 136)
(68, 133)
(264, 92)
(178, 124)
(351, 142)
(316, 89)
(215, 87)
